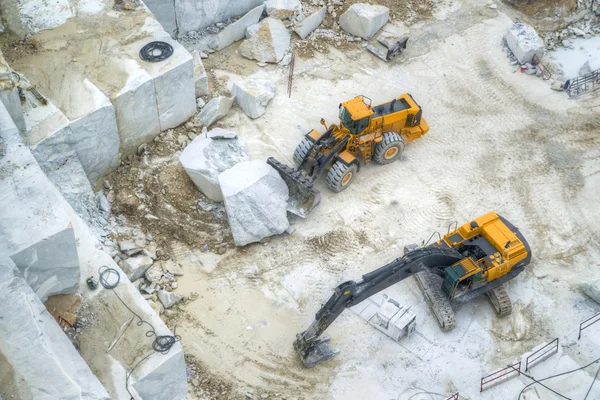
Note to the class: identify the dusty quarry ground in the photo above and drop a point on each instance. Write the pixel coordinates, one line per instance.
(499, 140)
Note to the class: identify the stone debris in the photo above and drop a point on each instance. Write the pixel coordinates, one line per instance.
(137, 266)
(209, 155)
(172, 268)
(216, 109)
(154, 273)
(255, 198)
(237, 30)
(524, 42)
(168, 299)
(283, 9)
(364, 20)
(200, 75)
(310, 23)
(253, 95)
(200, 103)
(268, 44)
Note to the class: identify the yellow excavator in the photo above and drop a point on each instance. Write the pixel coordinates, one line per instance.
(365, 133)
(474, 259)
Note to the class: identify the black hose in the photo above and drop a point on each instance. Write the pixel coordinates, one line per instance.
(161, 343)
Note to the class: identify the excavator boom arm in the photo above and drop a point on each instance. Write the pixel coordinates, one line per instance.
(313, 350)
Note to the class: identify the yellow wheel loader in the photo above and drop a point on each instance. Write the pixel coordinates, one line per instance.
(364, 133)
(474, 259)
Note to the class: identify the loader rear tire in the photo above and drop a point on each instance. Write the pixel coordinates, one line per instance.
(389, 149)
(340, 176)
(302, 150)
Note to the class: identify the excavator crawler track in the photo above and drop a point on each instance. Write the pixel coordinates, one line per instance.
(431, 286)
(500, 301)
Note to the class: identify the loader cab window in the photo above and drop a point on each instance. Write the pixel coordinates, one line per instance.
(355, 127)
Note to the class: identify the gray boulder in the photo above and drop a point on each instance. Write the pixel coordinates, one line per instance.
(207, 156)
(200, 75)
(168, 299)
(524, 42)
(253, 95)
(268, 44)
(216, 109)
(135, 267)
(585, 69)
(237, 30)
(256, 201)
(282, 9)
(45, 363)
(364, 20)
(310, 23)
(592, 289)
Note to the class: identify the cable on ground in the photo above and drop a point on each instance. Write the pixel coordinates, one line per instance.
(161, 343)
(538, 381)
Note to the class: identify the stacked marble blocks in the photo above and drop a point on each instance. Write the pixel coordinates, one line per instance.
(112, 99)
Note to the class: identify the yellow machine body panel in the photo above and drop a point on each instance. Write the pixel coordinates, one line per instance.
(493, 250)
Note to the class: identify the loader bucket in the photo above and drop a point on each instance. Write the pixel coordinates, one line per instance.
(304, 197)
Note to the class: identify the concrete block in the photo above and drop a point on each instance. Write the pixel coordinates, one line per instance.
(164, 12)
(253, 95)
(205, 158)
(364, 20)
(136, 110)
(166, 381)
(48, 135)
(591, 289)
(200, 75)
(96, 137)
(193, 15)
(255, 198)
(394, 320)
(36, 347)
(310, 23)
(282, 9)
(35, 230)
(237, 30)
(216, 109)
(268, 44)
(524, 42)
(173, 81)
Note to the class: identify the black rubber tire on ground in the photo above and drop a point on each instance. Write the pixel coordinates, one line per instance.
(340, 176)
(389, 149)
(302, 150)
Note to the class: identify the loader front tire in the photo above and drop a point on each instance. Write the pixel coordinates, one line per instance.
(340, 176)
(389, 149)
(302, 150)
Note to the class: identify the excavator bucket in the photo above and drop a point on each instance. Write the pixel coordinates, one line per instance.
(304, 197)
(391, 49)
(318, 352)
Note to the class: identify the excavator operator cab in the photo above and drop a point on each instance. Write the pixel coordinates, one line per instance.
(355, 115)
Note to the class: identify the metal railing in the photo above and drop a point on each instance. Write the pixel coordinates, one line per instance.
(584, 83)
(587, 323)
(453, 397)
(535, 60)
(536, 355)
(494, 376)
